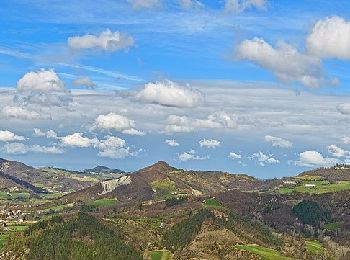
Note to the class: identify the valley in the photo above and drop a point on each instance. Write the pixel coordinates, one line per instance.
(161, 212)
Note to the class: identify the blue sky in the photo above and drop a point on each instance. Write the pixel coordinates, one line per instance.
(252, 86)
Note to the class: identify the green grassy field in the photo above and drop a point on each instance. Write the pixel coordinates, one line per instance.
(17, 228)
(321, 187)
(14, 195)
(212, 203)
(104, 202)
(150, 222)
(314, 247)
(263, 252)
(160, 255)
(333, 226)
(59, 208)
(3, 238)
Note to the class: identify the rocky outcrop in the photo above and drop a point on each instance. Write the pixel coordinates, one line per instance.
(110, 185)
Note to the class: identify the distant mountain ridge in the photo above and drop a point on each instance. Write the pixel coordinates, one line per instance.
(103, 169)
(338, 172)
(161, 181)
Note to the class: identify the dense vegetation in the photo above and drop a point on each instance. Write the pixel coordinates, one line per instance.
(251, 230)
(309, 212)
(183, 232)
(82, 237)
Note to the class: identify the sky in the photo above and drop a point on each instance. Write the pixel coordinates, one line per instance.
(245, 86)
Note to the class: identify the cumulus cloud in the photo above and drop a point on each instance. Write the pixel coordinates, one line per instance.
(116, 153)
(85, 82)
(344, 108)
(186, 124)
(19, 113)
(111, 142)
(264, 159)
(43, 80)
(337, 151)
(209, 143)
(7, 136)
(284, 61)
(314, 159)
(169, 93)
(116, 122)
(172, 142)
(20, 148)
(115, 148)
(49, 134)
(330, 38)
(110, 147)
(107, 40)
(279, 142)
(42, 87)
(78, 140)
(237, 6)
(144, 4)
(191, 155)
(233, 156)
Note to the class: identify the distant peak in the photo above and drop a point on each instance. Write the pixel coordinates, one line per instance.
(159, 166)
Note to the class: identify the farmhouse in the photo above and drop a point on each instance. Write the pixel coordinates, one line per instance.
(310, 185)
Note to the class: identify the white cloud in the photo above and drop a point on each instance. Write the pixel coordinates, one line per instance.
(42, 80)
(7, 136)
(279, 142)
(49, 134)
(20, 148)
(111, 142)
(344, 108)
(114, 147)
(330, 38)
(133, 131)
(284, 61)
(42, 87)
(190, 4)
(209, 143)
(19, 113)
(110, 147)
(186, 124)
(144, 4)
(169, 93)
(172, 142)
(337, 151)
(191, 155)
(85, 82)
(116, 122)
(38, 132)
(234, 156)
(346, 139)
(237, 6)
(314, 159)
(45, 149)
(107, 40)
(264, 159)
(78, 140)
(119, 153)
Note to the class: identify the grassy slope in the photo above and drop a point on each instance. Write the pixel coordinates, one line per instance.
(321, 187)
(104, 202)
(264, 252)
(314, 247)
